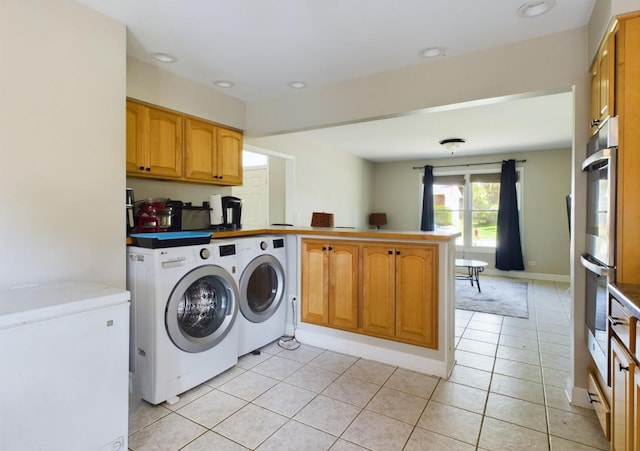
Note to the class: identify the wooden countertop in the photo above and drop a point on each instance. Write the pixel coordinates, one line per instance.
(336, 231)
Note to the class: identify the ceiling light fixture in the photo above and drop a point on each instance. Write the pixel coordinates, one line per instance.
(432, 52)
(223, 83)
(164, 57)
(535, 8)
(297, 84)
(451, 144)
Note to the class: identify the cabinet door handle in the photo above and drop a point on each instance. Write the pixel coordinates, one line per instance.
(591, 400)
(141, 168)
(390, 252)
(615, 321)
(397, 252)
(324, 248)
(330, 248)
(595, 122)
(622, 368)
(148, 169)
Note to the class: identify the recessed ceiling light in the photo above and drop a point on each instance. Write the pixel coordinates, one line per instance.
(164, 57)
(535, 8)
(223, 83)
(297, 84)
(432, 52)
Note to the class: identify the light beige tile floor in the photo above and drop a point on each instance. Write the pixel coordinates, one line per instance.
(506, 392)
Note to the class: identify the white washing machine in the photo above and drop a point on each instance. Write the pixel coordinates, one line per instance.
(262, 285)
(184, 307)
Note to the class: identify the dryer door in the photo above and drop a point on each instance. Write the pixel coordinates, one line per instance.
(202, 308)
(261, 288)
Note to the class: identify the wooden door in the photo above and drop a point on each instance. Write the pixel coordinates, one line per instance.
(417, 294)
(165, 144)
(229, 163)
(254, 193)
(378, 289)
(343, 285)
(622, 370)
(315, 282)
(200, 151)
(136, 139)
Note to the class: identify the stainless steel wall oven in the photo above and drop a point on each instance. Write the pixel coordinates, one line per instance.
(599, 258)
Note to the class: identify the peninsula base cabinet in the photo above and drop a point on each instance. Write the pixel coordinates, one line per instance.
(387, 290)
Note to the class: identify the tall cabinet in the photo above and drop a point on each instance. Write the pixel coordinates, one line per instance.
(615, 91)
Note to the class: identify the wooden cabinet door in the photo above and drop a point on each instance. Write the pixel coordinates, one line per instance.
(603, 83)
(622, 371)
(343, 285)
(417, 294)
(229, 156)
(315, 282)
(636, 410)
(378, 290)
(165, 144)
(200, 151)
(136, 142)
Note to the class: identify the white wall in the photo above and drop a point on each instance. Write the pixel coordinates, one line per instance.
(62, 144)
(326, 180)
(546, 182)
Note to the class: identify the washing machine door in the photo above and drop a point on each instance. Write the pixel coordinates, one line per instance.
(202, 308)
(261, 288)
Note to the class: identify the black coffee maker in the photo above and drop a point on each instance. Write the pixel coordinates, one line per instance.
(231, 211)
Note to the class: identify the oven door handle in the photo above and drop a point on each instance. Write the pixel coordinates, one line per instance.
(600, 157)
(602, 271)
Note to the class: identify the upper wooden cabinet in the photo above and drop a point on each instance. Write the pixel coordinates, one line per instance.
(603, 83)
(168, 145)
(154, 142)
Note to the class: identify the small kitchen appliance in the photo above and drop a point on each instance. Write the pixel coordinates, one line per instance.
(154, 215)
(231, 211)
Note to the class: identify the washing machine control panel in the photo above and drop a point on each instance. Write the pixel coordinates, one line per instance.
(263, 245)
(205, 253)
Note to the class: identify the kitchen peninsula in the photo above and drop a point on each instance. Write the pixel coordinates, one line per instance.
(382, 295)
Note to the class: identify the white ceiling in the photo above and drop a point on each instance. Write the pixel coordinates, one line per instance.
(261, 45)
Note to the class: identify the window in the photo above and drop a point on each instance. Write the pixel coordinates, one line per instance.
(467, 202)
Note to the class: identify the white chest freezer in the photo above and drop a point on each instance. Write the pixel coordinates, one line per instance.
(64, 367)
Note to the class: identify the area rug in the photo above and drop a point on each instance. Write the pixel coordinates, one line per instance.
(500, 296)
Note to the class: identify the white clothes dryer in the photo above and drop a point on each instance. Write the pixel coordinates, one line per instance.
(184, 307)
(262, 288)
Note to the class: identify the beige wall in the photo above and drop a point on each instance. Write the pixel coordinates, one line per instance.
(546, 182)
(62, 138)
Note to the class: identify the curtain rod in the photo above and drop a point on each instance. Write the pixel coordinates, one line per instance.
(468, 164)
